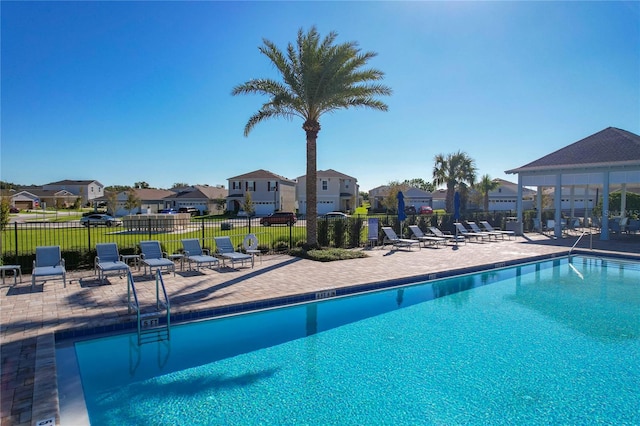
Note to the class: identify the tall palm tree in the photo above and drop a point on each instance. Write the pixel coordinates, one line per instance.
(484, 186)
(317, 77)
(455, 171)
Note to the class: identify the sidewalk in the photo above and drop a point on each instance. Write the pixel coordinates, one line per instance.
(30, 319)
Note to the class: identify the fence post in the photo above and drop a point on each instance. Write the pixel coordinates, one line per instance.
(149, 226)
(15, 233)
(202, 221)
(89, 235)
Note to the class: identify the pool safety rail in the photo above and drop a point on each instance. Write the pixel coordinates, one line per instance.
(150, 326)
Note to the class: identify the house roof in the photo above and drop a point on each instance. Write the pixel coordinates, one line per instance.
(42, 193)
(151, 193)
(329, 173)
(73, 182)
(261, 174)
(200, 192)
(608, 147)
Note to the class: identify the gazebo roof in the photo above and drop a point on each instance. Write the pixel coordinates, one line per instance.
(607, 148)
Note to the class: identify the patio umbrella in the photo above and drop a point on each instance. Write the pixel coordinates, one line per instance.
(456, 211)
(401, 214)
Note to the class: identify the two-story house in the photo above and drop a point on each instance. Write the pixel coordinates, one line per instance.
(335, 191)
(87, 190)
(412, 197)
(150, 200)
(269, 192)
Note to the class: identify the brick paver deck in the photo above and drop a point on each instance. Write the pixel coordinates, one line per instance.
(30, 319)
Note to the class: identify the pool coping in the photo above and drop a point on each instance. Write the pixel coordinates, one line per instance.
(46, 387)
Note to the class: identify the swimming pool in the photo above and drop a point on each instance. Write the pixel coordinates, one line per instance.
(550, 342)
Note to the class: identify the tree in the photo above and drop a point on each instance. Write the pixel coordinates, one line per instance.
(141, 185)
(180, 185)
(5, 208)
(112, 202)
(317, 77)
(484, 186)
(420, 184)
(247, 205)
(455, 171)
(390, 200)
(117, 188)
(132, 200)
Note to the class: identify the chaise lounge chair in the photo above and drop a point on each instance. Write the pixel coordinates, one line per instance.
(475, 228)
(194, 253)
(392, 238)
(153, 257)
(49, 262)
(224, 249)
(108, 260)
(426, 239)
(469, 234)
(487, 226)
(448, 236)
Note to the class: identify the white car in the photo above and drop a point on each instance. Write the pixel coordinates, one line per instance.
(334, 215)
(100, 219)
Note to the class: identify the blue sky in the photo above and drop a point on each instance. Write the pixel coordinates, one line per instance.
(123, 92)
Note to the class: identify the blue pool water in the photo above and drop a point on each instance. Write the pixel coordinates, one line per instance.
(545, 343)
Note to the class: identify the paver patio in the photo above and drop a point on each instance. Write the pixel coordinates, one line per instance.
(30, 319)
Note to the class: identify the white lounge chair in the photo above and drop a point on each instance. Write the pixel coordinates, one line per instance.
(470, 234)
(487, 226)
(194, 253)
(448, 236)
(224, 249)
(392, 238)
(153, 257)
(475, 228)
(426, 239)
(49, 262)
(108, 260)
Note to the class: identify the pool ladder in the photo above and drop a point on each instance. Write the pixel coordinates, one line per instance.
(150, 326)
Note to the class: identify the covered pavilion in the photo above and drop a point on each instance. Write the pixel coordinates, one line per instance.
(608, 160)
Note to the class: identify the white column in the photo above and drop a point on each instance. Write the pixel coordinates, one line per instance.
(557, 202)
(604, 233)
(586, 205)
(519, 212)
(623, 200)
(572, 196)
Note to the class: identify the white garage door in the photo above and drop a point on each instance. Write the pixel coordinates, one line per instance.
(326, 207)
(263, 209)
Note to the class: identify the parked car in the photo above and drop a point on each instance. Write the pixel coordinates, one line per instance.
(167, 211)
(191, 210)
(410, 210)
(334, 215)
(14, 210)
(426, 210)
(279, 218)
(100, 219)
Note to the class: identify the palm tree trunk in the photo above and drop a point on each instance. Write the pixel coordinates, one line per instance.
(312, 128)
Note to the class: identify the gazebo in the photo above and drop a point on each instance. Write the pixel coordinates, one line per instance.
(608, 160)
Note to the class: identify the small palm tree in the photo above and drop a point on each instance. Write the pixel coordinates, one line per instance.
(455, 171)
(484, 186)
(318, 77)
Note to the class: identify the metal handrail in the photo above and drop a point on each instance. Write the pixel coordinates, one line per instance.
(576, 243)
(135, 305)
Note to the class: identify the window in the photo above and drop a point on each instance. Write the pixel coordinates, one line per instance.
(325, 185)
(249, 185)
(272, 186)
(235, 185)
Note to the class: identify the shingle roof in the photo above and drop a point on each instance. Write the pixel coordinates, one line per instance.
(73, 182)
(608, 147)
(260, 174)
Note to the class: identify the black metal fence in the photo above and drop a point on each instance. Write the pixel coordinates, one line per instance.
(77, 242)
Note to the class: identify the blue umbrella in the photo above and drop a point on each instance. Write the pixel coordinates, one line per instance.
(401, 214)
(456, 206)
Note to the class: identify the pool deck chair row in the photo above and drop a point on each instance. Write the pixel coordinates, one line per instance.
(225, 250)
(392, 238)
(431, 240)
(450, 238)
(487, 226)
(196, 254)
(153, 257)
(108, 261)
(48, 263)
